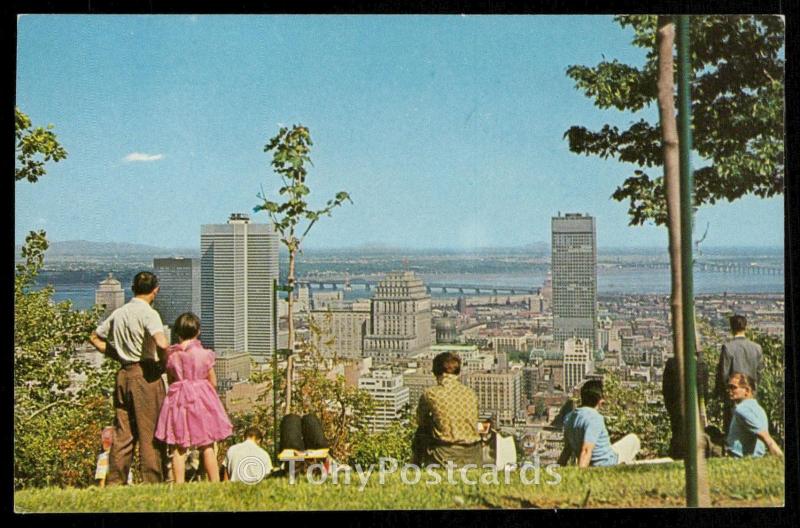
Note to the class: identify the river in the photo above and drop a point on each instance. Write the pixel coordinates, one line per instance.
(610, 281)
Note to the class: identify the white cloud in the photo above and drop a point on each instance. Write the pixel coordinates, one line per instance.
(140, 156)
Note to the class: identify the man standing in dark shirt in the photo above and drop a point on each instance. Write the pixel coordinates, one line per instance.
(737, 355)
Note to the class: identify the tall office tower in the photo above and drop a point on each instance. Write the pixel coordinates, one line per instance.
(401, 318)
(574, 268)
(578, 362)
(179, 279)
(110, 295)
(499, 394)
(238, 263)
(388, 393)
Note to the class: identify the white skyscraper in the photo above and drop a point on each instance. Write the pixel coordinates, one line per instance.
(238, 263)
(574, 268)
(179, 279)
(578, 362)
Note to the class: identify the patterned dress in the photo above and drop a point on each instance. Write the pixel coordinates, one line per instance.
(192, 414)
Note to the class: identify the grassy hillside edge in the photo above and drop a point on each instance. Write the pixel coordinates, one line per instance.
(751, 482)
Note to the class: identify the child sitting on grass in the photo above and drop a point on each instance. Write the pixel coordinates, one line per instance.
(101, 471)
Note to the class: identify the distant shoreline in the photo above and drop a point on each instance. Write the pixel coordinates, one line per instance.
(92, 250)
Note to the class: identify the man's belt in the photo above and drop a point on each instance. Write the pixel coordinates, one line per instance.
(141, 362)
(128, 366)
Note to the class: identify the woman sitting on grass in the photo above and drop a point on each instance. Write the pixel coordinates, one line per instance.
(749, 432)
(192, 414)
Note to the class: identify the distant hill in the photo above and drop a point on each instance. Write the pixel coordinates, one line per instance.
(85, 248)
(88, 249)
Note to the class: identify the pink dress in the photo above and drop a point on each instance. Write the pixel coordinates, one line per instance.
(192, 414)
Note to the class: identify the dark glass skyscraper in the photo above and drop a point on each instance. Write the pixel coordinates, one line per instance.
(179, 279)
(574, 269)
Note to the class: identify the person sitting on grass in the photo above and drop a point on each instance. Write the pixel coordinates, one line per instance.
(447, 415)
(586, 436)
(101, 471)
(247, 461)
(737, 355)
(749, 429)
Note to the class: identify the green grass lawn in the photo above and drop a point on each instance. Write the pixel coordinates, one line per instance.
(750, 482)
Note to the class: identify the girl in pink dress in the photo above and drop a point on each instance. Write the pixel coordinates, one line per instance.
(192, 414)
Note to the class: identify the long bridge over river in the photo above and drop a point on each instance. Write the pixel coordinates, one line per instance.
(737, 267)
(368, 285)
(346, 283)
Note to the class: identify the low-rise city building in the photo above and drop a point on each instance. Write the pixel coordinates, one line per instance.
(390, 396)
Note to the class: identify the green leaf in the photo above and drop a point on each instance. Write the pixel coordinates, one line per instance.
(737, 111)
(33, 148)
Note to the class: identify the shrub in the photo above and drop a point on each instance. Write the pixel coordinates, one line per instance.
(394, 443)
(57, 421)
(636, 409)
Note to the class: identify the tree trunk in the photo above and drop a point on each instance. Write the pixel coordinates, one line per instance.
(669, 136)
(290, 337)
(701, 400)
(703, 488)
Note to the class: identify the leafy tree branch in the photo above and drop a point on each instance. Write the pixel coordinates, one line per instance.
(34, 146)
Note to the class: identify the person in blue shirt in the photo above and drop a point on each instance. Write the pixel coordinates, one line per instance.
(586, 436)
(737, 355)
(749, 430)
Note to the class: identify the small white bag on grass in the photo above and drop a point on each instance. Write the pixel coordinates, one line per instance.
(506, 451)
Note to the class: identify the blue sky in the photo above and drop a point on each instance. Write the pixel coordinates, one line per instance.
(446, 130)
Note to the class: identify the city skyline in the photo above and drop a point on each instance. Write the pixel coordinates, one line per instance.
(159, 113)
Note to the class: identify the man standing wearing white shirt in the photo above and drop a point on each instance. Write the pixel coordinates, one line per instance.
(137, 334)
(247, 461)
